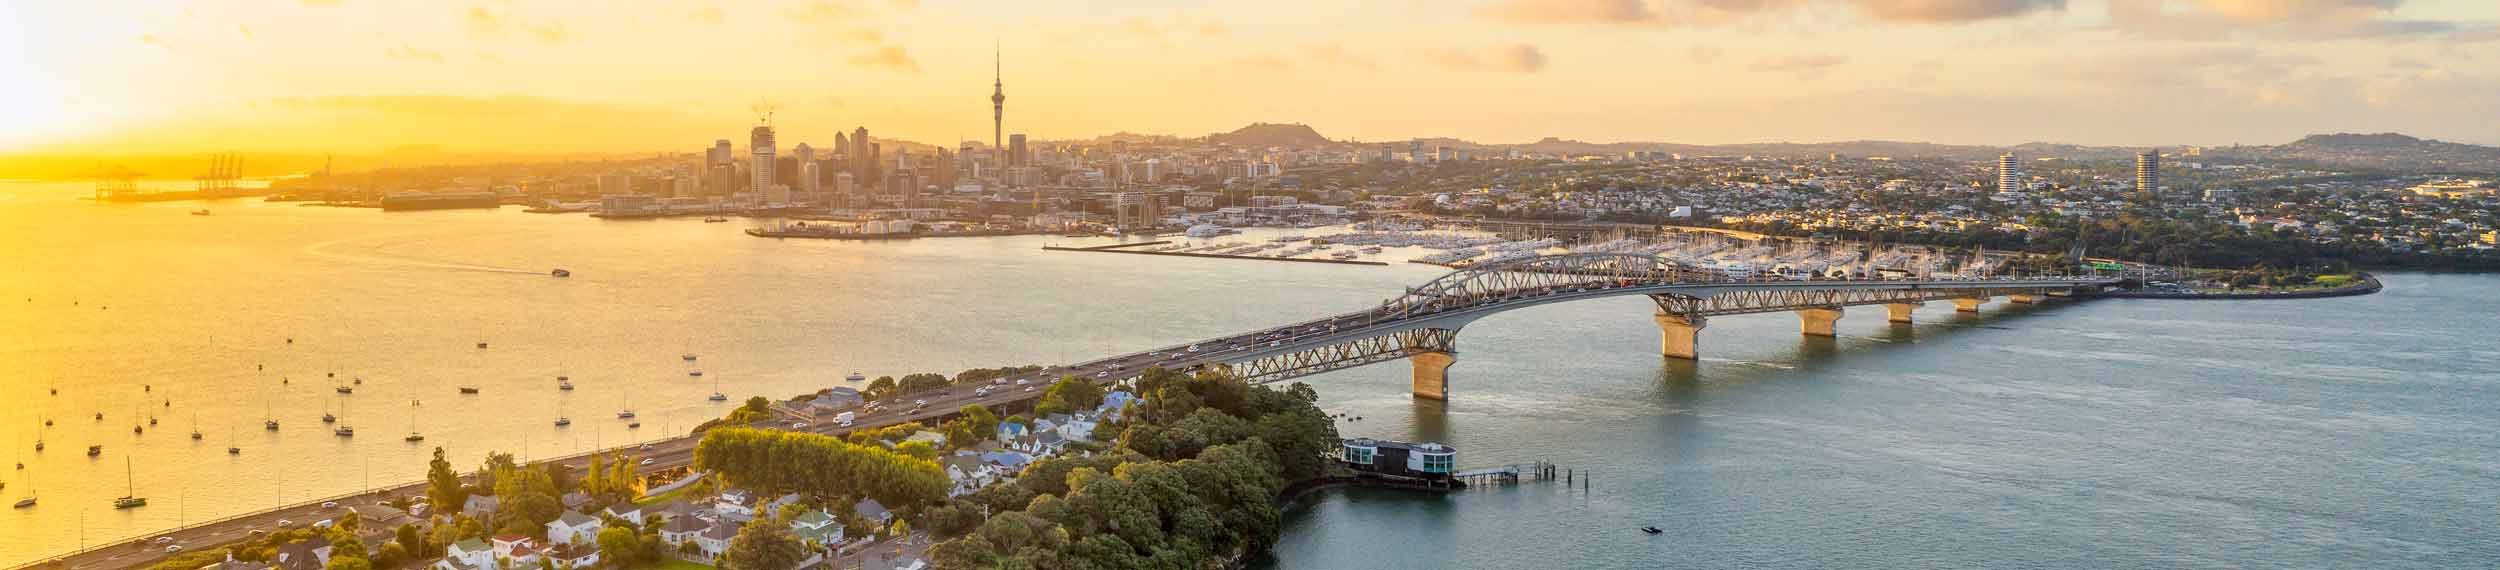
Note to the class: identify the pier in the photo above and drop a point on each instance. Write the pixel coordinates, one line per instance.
(1113, 249)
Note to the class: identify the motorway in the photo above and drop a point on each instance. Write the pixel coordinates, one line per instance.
(679, 451)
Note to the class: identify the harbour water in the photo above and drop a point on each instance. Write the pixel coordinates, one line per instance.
(2341, 432)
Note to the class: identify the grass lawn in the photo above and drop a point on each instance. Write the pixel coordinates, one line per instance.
(663, 497)
(673, 564)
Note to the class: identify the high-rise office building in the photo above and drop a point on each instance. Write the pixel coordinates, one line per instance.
(808, 181)
(616, 184)
(2148, 171)
(718, 154)
(1017, 153)
(2009, 175)
(841, 146)
(861, 156)
(803, 153)
(760, 166)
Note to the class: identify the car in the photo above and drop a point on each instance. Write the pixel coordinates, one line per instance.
(1002, 381)
(284, 523)
(1272, 343)
(648, 461)
(325, 523)
(1102, 375)
(173, 549)
(256, 533)
(1028, 388)
(330, 505)
(646, 447)
(798, 425)
(164, 540)
(1021, 382)
(920, 403)
(1193, 348)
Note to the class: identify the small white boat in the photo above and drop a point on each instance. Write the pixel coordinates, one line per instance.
(855, 376)
(720, 397)
(561, 422)
(560, 273)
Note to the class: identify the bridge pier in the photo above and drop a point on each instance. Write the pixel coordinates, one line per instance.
(2023, 298)
(1899, 313)
(1818, 321)
(1680, 336)
(1968, 304)
(1432, 373)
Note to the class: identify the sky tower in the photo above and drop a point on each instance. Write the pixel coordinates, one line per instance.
(998, 106)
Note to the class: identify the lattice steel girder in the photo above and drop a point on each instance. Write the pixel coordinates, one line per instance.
(1537, 275)
(1343, 355)
(1746, 301)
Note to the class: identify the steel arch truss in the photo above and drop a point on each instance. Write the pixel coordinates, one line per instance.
(1535, 276)
(1343, 355)
(1746, 301)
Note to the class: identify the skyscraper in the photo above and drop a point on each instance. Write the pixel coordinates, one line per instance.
(760, 165)
(718, 154)
(808, 181)
(2148, 171)
(2009, 179)
(860, 155)
(804, 153)
(1017, 154)
(998, 100)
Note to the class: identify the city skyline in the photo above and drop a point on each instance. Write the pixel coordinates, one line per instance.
(555, 77)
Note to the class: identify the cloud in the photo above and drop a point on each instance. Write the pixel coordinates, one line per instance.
(1954, 10)
(888, 57)
(550, 33)
(1804, 64)
(1710, 12)
(411, 52)
(2193, 68)
(1333, 54)
(2298, 19)
(1516, 58)
(481, 22)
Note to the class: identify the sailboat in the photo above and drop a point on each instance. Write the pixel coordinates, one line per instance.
(717, 396)
(326, 417)
(29, 501)
(413, 436)
(343, 430)
(625, 410)
(231, 448)
(561, 421)
(195, 426)
(131, 500)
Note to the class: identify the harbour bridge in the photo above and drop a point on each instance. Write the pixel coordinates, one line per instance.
(1421, 326)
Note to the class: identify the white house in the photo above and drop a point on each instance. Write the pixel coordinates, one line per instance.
(570, 556)
(626, 511)
(818, 527)
(468, 554)
(573, 527)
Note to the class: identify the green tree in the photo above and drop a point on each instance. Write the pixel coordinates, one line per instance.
(620, 546)
(410, 541)
(343, 562)
(442, 485)
(764, 545)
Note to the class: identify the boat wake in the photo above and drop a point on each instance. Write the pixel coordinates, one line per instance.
(328, 250)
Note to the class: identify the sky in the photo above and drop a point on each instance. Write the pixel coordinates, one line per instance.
(560, 76)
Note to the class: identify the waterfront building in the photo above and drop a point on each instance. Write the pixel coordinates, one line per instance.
(1432, 461)
(760, 145)
(2148, 171)
(616, 184)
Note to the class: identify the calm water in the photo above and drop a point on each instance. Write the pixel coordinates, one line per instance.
(2345, 432)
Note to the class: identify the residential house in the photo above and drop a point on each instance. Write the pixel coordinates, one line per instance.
(584, 555)
(480, 507)
(575, 500)
(468, 554)
(573, 527)
(871, 510)
(1011, 431)
(521, 550)
(626, 511)
(1112, 403)
(934, 439)
(818, 527)
(968, 472)
(681, 530)
(715, 540)
(736, 505)
(311, 554)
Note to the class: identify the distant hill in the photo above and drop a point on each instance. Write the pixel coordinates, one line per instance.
(1262, 135)
(2383, 150)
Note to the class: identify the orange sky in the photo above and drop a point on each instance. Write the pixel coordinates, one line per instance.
(562, 76)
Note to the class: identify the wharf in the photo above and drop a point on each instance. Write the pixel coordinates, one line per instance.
(1112, 249)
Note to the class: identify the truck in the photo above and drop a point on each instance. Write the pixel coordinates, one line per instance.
(844, 419)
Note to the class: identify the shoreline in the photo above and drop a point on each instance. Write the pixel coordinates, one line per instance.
(2368, 284)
